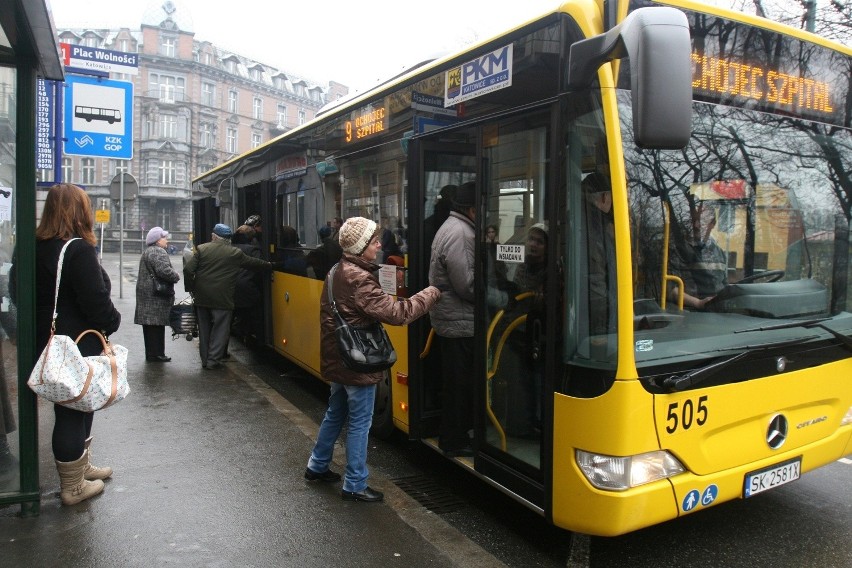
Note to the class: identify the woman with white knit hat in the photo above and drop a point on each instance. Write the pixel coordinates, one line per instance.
(361, 301)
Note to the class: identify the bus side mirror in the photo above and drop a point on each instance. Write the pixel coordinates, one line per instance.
(657, 41)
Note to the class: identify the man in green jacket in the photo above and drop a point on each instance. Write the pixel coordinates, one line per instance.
(211, 276)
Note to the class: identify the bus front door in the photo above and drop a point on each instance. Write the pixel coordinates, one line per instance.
(440, 164)
(509, 162)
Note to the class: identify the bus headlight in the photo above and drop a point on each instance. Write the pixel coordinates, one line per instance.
(620, 473)
(848, 418)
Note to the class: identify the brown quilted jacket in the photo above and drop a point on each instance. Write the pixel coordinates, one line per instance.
(361, 301)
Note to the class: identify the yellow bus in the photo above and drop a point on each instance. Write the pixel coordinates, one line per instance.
(662, 272)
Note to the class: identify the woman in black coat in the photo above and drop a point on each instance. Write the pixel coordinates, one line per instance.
(84, 303)
(152, 311)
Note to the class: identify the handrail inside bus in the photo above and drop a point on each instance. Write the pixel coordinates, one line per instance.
(428, 347)
(495, 363)
(666, 276)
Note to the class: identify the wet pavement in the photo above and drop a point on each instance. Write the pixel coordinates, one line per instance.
(208, 472)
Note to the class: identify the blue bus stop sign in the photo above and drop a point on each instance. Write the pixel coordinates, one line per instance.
(98, 118)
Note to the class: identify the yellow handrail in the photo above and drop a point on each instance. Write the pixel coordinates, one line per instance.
(666, 276)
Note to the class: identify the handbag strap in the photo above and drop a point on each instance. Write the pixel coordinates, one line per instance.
(58, 280)
(329, 288)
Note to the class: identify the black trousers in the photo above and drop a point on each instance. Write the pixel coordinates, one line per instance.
(155, 340)
(70, 431)
(457, 392)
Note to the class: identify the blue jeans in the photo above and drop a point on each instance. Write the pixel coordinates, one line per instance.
(357, 402)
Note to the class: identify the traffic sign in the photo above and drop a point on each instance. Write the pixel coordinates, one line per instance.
(102, 216)
(98, 117)
(131, 187)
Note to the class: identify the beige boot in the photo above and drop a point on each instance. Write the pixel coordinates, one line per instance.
(74, 487)
(94, 472)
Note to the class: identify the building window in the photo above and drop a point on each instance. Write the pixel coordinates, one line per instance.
(255, 139)
(87, 171)
(279, 83)
(168, 88)
(231, 141)
(206, 135)
(282, 115)
(232, 101)
(231, 66)
(168, 126)
(167, 172)
(303, 117)
(256, 73)
(66, 170)
(257, 108)
(208, 94)
(204, 168)
(164, 217)
(168, 46)
(44, 175)
(120, 167)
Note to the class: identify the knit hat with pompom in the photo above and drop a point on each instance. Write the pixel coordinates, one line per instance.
(355, 234)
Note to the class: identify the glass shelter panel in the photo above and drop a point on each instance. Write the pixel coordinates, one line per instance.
(9, 454)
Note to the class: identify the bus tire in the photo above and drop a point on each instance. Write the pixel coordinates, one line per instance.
(383, 409)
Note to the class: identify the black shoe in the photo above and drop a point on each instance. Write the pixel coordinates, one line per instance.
(159, 359)
(459, 453)
(213, 366)
(327, 476)
(225, 357)
(367, 495)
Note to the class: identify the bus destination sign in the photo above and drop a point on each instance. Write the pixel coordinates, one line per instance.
(727, 77)
(368, 122)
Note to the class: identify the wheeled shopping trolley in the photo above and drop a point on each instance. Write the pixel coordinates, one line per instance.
(183, 320)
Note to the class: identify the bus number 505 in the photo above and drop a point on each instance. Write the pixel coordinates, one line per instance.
(688, 414)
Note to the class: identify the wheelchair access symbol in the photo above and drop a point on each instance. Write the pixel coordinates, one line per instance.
(693, 499)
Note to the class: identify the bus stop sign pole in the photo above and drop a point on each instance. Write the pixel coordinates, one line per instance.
(122, 187)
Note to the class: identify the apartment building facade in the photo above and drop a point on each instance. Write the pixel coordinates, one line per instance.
(195, 106)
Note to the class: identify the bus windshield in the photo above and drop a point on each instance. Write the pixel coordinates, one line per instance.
(745, 229)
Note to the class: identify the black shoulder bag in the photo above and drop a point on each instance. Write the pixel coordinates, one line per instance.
(364, 349)
(161, 287)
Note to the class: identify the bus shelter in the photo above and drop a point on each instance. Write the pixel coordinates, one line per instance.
(28, 52)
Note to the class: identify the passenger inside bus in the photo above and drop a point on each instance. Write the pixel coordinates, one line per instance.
(522, 362)
(290, 255)
(321, 259)
(597, 192)
(698, 260)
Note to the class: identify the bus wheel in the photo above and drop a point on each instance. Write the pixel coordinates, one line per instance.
(383, 409)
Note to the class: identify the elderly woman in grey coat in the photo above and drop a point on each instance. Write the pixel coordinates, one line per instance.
(152, 310)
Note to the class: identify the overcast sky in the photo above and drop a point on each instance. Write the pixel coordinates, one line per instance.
(354, 42)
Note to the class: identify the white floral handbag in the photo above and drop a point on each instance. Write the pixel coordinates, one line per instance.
(63, 376)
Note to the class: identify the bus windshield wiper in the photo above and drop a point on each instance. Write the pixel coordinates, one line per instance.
(845, 340)
(785, 325)
(697, 376)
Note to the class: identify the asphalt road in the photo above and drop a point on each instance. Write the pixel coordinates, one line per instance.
(803, 524)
